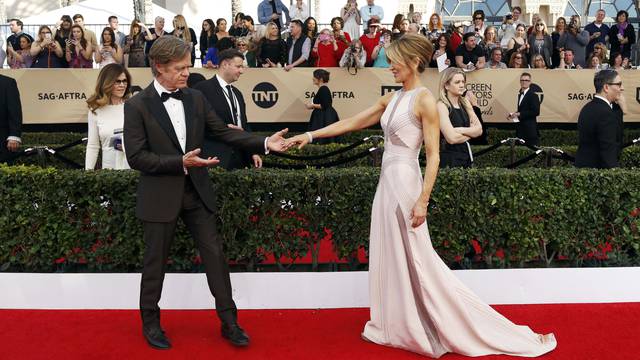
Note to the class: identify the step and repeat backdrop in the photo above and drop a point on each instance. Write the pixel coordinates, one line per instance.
(58, 96)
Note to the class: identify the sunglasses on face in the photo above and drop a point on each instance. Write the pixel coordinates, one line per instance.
(616, 83)
(525, 80)
(518, 57)
(180, 27)
(539, 25)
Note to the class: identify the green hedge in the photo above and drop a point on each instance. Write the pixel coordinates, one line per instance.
(548, 137)
(67, 220)
(500, 157)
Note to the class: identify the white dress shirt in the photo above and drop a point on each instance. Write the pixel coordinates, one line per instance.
(224, 84)
(366, 12)
(520, 97)
(299, 14)
(175, 109)
(605, 100)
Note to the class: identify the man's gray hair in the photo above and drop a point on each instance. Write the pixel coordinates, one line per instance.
(602, 78)
(165, 50)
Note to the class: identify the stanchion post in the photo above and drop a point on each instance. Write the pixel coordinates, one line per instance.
(512, 146)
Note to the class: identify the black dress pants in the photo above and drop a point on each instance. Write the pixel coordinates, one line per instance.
(158, 237)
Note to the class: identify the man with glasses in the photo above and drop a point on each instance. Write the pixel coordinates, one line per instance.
(597, 31)
(516, 11)
(577, 40)
(496, 59)
(600, 124)
(370, 11)
(526, 116)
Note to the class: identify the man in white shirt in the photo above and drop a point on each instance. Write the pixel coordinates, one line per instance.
(370, 11)
(164, 127)
(227, 101)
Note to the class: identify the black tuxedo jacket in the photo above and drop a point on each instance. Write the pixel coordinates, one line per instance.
(230, 158)
(599, 135)
(10, 113)
(529, 109)
(152, 147)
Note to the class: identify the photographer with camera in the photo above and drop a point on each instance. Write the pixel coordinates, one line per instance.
(354, 57)
(46, 52)
(576, 40)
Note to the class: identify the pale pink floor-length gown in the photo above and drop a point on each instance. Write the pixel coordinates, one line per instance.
(417, 303)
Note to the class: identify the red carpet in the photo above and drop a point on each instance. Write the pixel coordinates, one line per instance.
(592, 331)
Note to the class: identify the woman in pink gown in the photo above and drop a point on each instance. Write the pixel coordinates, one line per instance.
(417, 303)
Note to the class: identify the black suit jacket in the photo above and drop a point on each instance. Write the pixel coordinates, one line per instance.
(230, 158)
(10, 113)
(599, 135)
(152, 147)
(529, 109)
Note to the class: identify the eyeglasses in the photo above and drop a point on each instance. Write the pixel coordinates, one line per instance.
(617, 83)
(518, 57)
(121, 82)
(525, 80)
(477, 18)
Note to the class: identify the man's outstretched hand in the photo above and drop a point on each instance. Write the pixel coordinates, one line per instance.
(191, 159)
(277, 141)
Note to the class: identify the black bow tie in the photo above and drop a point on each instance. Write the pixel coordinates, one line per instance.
(176, 95)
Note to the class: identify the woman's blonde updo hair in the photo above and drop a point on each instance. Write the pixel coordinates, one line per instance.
(408, 48)
(445, 79)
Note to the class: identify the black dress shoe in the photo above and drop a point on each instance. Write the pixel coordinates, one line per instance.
(156, 338)
(235, 334)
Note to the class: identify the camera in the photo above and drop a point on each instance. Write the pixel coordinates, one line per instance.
(352, 48)
(509, 17)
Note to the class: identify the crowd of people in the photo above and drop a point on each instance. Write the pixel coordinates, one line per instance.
(288, 37)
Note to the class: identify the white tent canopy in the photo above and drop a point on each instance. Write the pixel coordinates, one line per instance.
(98, 11)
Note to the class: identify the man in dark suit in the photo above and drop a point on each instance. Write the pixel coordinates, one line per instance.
(528, 111)
(600, 124)
(164, 128)
(10, 118)
(227, 101)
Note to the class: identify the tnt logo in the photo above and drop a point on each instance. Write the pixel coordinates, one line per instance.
(265, 95)
(385, 89)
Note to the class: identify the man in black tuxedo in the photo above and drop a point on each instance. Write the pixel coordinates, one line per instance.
(227, 101)
(164, 128)
(10, 118)
(528, 111)
(600, 124)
